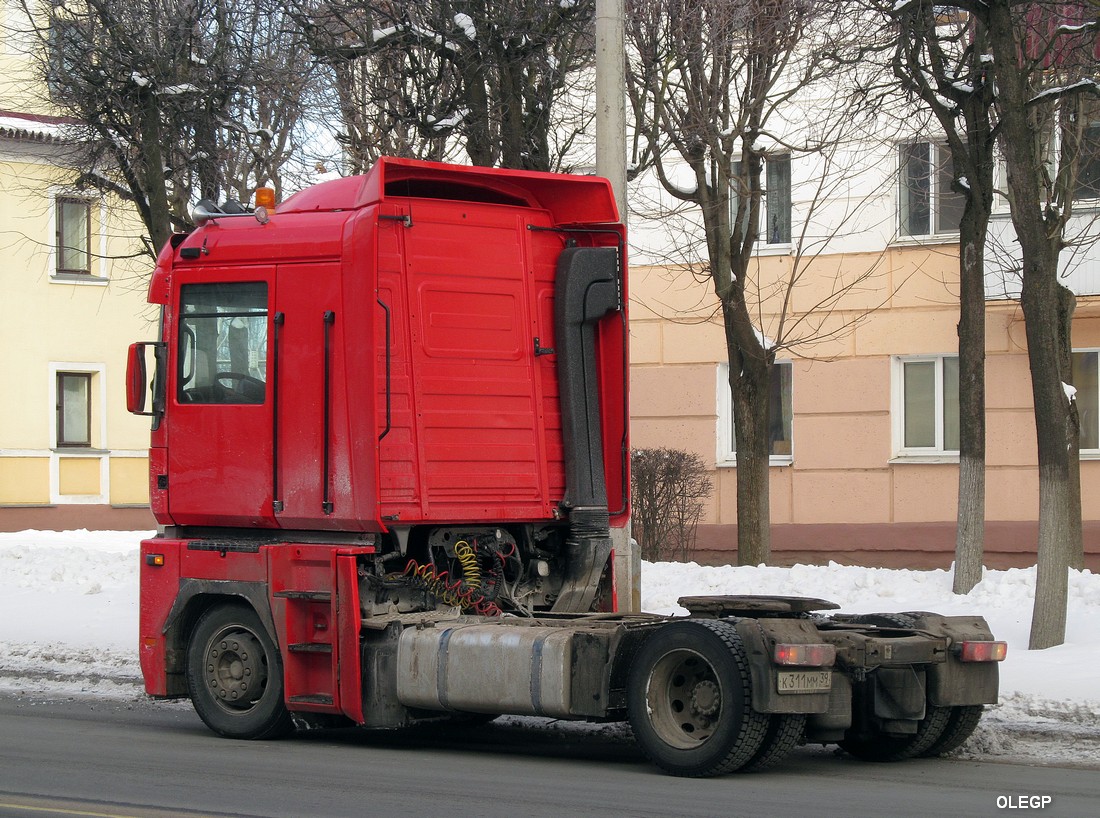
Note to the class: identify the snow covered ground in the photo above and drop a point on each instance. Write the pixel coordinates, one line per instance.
(69, 609)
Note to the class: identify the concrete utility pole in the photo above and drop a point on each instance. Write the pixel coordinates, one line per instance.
(610, 100)
(611, 163)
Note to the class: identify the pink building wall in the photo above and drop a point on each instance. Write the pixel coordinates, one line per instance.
(846, 496)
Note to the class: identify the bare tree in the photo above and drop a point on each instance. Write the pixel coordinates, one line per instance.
(1043, 61)
(715, 87)
(394, 88)
(941, 58)
(668, 488)
(265, 140)
(177, 99)
(503, 79)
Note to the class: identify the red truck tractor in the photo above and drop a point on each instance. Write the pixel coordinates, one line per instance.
(389, 447)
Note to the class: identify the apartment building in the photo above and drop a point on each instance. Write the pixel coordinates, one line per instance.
(864, 448)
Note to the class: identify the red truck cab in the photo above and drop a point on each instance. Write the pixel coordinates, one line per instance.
(426, 364)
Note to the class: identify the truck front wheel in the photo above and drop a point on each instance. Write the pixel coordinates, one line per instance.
(234, 676)
(689, 700)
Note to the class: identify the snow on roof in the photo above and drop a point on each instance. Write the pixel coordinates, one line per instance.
(15, 125)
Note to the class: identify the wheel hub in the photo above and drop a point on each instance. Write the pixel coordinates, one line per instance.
(235, 671)
(685, 698)
(706, 699)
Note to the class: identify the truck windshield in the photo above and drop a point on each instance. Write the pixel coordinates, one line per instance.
(222, 343)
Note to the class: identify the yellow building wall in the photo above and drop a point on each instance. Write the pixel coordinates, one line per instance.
(129, 481)
(24, 481)
(20, 90)
(78, 475)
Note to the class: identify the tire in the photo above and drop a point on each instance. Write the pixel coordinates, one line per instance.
(785, 732)
(960, 726)
(234, 675)
(899, 748)
(689, 700)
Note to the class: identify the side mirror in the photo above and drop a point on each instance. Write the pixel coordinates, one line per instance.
(137, 379)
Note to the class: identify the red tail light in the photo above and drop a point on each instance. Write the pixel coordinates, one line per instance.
(983, 651)
(811, 655)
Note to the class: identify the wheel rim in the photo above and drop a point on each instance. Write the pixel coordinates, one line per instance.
(684, 699)
(235, 669)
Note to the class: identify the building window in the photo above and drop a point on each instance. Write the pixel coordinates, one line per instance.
(1086, 378)
(928, 406)
(1088, 167)
(74, 236)
(74, 409)
(223, 343)
(68, 53)
(777, 200)
(776, 203)
(928, 205)
(780, 416)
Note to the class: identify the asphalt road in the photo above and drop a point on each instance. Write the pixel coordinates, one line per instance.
(105, 758)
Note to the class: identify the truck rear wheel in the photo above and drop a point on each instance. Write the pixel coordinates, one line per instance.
(785, 732)
(689, 703)
(930, 730)
(234, 675)
(899, 748)
(960, 726)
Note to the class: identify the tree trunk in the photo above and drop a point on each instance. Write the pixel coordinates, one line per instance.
(1058, 424)
(479, 141)
(970, 531)
(157, 217)
(749, 385)
(1047, 326)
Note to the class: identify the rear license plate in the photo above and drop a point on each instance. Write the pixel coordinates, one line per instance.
(805, 681)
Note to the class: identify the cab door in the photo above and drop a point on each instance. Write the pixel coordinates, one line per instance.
(314, 484)
(220, 407)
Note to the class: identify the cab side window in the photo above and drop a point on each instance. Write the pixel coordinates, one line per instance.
(222, 355)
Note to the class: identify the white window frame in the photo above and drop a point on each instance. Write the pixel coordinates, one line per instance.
(937, 154)
(1091, 454)
(769, 163)
(98, 450)
(918, 454)
(78, 209)
(61, 415)
(1081, 204)
(726, 457)
(97, 240)
(763, 243)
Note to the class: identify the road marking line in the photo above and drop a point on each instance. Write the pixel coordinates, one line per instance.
(151, 812)
(61, 811)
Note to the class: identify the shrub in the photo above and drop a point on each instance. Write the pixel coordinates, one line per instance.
(668, 488)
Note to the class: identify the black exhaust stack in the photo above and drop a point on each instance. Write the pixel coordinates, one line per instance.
(587, 289)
